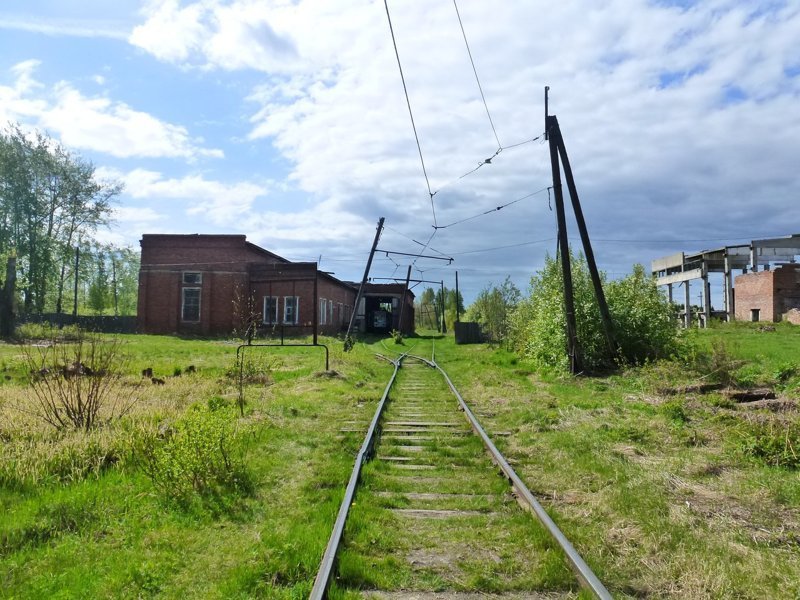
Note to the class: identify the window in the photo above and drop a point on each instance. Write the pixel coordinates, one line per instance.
(291, 309)
(270, 310)
(330, 311)
(190, 305)
(192, 278)
(755, 314)
(322, 314)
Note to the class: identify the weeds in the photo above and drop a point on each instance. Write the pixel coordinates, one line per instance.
(76, 385)
(775, 443)
(196, 456)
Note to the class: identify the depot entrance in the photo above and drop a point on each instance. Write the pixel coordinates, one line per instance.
(381, 313)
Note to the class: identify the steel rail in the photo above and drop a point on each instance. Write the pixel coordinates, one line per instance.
(585, 574)
(325, 572)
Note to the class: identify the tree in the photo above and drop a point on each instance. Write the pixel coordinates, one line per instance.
(493, 307)
(49, 198)
(642, 319)
(98, 290)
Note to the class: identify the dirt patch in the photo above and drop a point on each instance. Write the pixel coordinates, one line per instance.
(776, 405)
(332, 374)
(771, 526)
(750, 395)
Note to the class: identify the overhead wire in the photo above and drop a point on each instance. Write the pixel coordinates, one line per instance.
(477, 79)
(492, 210)
(410, 112)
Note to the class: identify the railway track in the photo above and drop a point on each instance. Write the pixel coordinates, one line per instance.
(432, 512)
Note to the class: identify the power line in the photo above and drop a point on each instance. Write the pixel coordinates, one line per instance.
(504, 247)
(408, 237)
(477, 79)
(492, 210)
(410, 112)
(487, 161)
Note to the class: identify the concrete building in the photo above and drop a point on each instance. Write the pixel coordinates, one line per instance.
(209, 284)
(683, 268)
(768, 295)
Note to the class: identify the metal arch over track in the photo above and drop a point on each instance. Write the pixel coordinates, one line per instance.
(585, 575)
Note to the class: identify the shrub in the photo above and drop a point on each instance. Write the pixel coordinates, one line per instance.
(397, 337)
(197, 456)
(642, 319)
(77, 385)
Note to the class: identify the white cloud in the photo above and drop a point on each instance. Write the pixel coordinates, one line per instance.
(94, 122)
(219, 203)
(62, 27)
(215, 34)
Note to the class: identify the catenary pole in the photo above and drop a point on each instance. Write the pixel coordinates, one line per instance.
(605, 315)
(348, 341)
(563, 248)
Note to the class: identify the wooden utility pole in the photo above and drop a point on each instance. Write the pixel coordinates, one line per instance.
(605, 315)
(559, 150)
(563, 245)
(348, 341)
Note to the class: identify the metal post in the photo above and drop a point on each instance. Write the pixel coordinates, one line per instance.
(605, 315)
(403, 301)
(563, 250)
(348, 342)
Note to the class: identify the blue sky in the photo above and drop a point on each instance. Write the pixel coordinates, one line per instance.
(286, 121)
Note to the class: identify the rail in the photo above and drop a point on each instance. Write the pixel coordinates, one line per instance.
(325, 572)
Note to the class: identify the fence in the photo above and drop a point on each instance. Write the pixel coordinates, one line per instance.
(103, 324)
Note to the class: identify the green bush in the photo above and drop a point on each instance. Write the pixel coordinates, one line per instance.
(643, 322)
(200, 455)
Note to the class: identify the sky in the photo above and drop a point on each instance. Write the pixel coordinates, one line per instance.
(286, 120)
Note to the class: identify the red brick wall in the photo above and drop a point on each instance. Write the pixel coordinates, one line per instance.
(229, 266)
(223, 261)
(773, 292)
(755, 291)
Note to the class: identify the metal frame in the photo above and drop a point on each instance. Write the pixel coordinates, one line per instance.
(240, 360)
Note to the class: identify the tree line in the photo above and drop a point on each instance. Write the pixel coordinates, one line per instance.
(51, 206)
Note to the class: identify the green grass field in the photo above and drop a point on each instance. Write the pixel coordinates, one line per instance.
(669, 489)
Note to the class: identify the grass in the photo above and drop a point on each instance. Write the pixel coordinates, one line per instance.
(659, 492)
(109, 533)
(667, 491)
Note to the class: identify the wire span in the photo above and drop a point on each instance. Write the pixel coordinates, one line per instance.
(477, 79)
(410, 112)
(492, 210)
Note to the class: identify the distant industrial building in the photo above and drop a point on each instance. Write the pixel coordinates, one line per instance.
(209, 284)
(765, 295)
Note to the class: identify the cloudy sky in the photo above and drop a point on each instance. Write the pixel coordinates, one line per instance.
(286, 121)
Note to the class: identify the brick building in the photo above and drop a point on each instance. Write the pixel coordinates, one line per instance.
(768, 295)
(208, 284)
